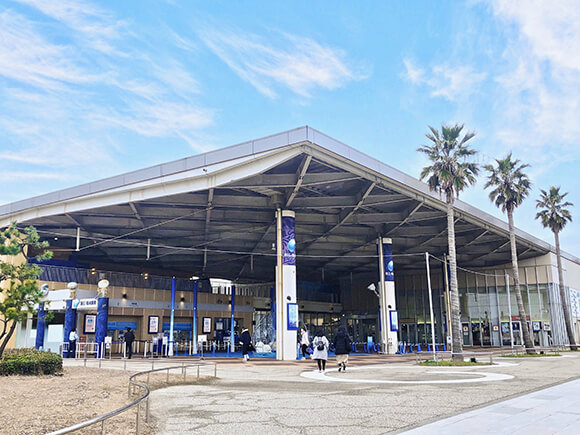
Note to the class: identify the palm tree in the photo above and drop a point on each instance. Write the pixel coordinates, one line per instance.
(510, 186)
(554, 215)
(449, 173)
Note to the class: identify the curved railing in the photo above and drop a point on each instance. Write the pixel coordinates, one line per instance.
(133, 385)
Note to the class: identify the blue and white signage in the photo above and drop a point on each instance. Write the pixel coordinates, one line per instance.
(86, 304)
(288, 241)
(293, 317)
(394, 320)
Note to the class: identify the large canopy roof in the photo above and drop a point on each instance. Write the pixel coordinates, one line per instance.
(214, 214)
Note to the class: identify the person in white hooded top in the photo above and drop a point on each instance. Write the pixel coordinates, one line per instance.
(320, 353)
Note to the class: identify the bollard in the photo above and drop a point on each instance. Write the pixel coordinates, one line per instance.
(167, 379)
(198, 373)
(215, 370)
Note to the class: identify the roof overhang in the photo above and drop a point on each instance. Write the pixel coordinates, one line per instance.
(214, 214)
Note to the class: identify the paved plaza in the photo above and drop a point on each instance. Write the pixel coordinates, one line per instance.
(377, 394)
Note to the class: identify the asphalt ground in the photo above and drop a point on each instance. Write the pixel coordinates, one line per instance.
(377, 394)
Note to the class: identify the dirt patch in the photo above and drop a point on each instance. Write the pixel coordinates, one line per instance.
(41, 404)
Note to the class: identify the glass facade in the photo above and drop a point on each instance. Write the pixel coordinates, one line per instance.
(486, 304)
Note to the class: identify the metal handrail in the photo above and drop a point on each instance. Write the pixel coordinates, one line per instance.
(134, 383)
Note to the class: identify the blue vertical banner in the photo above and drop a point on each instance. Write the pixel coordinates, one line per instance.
(288, 241)
(102, 320)
(194, 324)
(70, 320)
(232, 330)
(387, 262)
(172, 316)
(40, 327)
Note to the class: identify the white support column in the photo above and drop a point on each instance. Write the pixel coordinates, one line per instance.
(285, 284)
(388, 307)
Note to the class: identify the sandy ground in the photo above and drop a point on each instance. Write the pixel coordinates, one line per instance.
(38, 405)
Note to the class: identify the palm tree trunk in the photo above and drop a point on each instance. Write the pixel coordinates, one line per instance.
(522, 311)
(454, 291)
(563, 295)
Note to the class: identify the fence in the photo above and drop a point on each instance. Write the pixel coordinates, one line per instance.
(133, 386)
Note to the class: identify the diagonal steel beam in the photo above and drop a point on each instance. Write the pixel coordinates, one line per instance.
(301, 173)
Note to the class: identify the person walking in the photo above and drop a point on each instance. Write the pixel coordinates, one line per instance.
(72, 343)
(342, 346)
(304, 342)
(246, 340)
(129, 339)
(320, 353)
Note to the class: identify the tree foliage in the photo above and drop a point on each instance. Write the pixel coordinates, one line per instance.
(20, 292)
(553, 212)
(510, 183)
(450, 171)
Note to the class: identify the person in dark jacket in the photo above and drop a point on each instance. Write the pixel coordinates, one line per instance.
(246, 340)
(342, 347)
(129, 339)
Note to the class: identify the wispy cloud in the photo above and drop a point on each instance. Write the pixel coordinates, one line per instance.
(542, 80)
(78, 78)
(297, 63)
(450, 82)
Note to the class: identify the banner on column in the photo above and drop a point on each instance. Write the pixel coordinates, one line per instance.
(288, 241)
(387, 262)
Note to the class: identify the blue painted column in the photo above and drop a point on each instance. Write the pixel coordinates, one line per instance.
(102, 320)
(40, 327)
(70, 320)
(172, 316)
(194, 329)
(232, 338)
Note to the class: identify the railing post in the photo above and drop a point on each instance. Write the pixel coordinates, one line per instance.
(215, 370)
(167, 379)
(138, 428)
(198, 372)
(125, 365)
(184, 373)
(147, 410)
(103, 427)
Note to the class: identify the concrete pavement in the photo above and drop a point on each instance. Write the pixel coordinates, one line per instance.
(377, 394)
(554, 410)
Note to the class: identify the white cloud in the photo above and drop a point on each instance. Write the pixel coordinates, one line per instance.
(450, 82)
(27, 57)
(414, 74)
(69, 92)
(539, 107)
(297, 63)
(93, 24)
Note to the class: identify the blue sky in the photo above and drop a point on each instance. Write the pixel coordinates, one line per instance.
(93, 89)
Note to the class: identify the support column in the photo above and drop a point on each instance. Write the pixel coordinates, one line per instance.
(232, 330)
(70, 320)
(171, 319)
(194, 324)
(285, 284)
(102, 320)
(40, 327)
(387, 305)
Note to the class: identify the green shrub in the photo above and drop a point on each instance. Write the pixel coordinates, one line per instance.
(29, 362)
